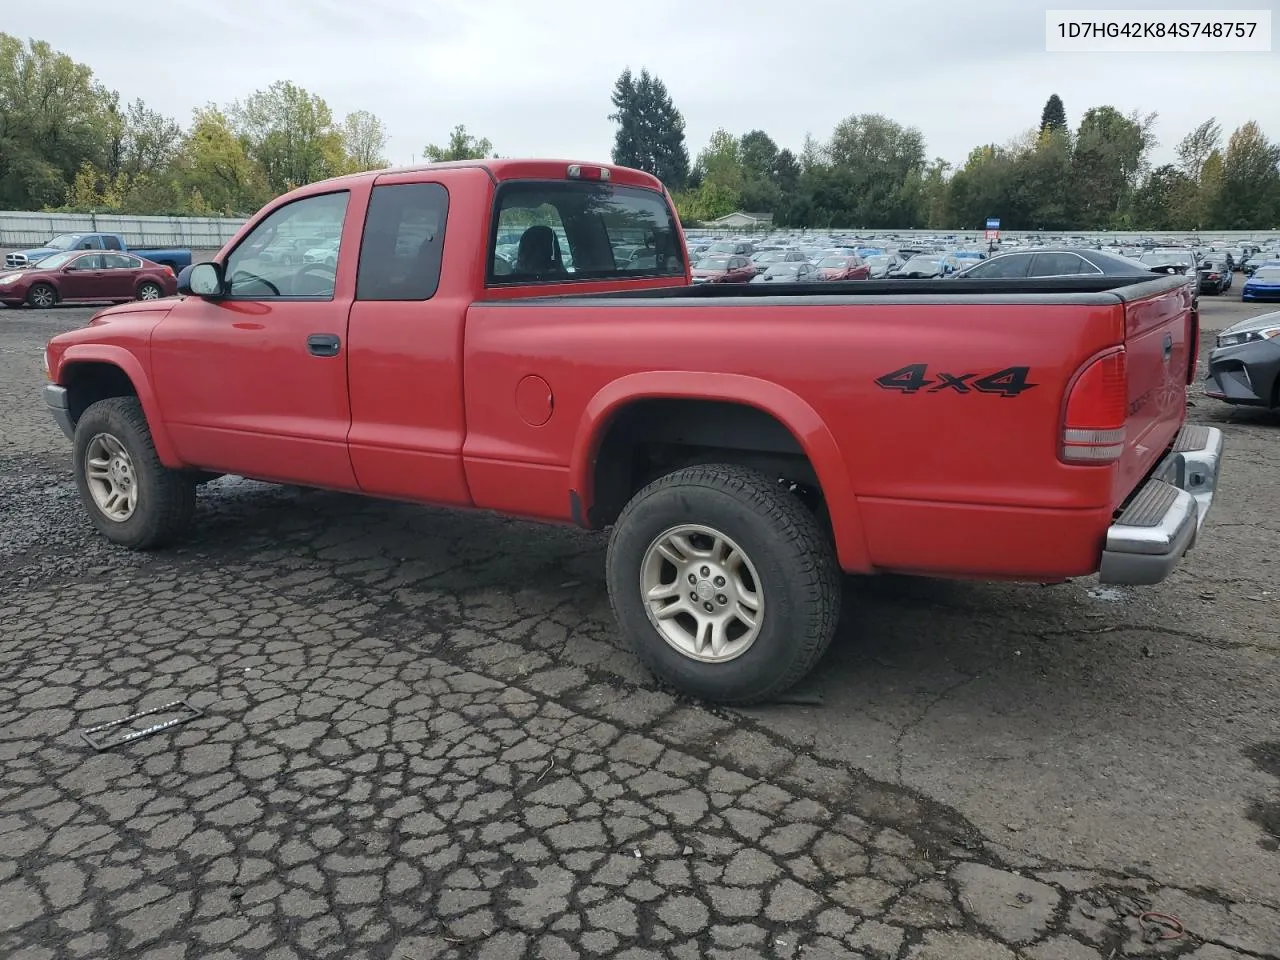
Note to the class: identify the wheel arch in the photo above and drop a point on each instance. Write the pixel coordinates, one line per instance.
(802, 426)
(93, 372)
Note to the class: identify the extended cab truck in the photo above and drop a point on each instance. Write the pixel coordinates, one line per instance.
(746, 443)
(174, 259)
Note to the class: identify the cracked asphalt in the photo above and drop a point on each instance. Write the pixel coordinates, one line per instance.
(421, 739)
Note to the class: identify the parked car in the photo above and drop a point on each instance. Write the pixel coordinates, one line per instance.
(1262, 284)
(843, 268)
(791, 271)
(733, 248)
(1244, 365)
(1046, 262)
(721, 433)
(1214, 274)
(325, 253)
(880, 265)
(731, 269)
(922, 266)
(764, 260)
(87, 278)
(174, 259)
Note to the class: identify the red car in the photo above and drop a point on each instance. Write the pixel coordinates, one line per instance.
(724, 269)
(87, 277)
(844, 268)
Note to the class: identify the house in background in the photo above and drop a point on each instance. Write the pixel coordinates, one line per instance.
(739, 220)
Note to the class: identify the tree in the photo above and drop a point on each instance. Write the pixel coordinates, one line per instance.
(461, 146)
(53, 120)
(650, 134)
(1194, 149)
(720, 168)
(216, 167)
(1250, 191)
(1109, 156)
(1054, 114)
(290, 134)
(364, 140)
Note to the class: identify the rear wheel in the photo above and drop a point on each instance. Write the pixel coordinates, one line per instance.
(724, 583)
(42, 296)
(149, 291)
(132, 498)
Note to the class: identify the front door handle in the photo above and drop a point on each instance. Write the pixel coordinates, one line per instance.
(323, 344)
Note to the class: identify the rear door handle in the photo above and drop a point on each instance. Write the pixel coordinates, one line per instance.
(323, 344)
(1168, 345)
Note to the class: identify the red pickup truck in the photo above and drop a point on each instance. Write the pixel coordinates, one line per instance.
(477, 344)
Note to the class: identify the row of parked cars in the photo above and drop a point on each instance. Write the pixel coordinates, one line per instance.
(746, 261)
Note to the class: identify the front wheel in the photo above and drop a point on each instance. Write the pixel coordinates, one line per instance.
(42, 296)
(132, 498)
(724, 583)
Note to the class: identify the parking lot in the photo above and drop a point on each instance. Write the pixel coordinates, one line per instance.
(420, 738)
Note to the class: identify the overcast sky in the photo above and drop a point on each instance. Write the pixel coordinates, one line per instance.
(534, 76)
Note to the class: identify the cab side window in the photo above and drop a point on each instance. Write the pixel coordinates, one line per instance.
(266, 264)
(403, 242)
(110, 243)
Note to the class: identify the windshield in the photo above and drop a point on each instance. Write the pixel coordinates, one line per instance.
(771, 256)
(923, 263)
(712, 263)
(1267, 275)
(1154, 259)
(54, 261)
(64, 241)
(879, 261)
(783, 269)
(723, 247)
(835, 263)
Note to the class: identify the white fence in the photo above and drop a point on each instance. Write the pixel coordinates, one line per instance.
(20, 229)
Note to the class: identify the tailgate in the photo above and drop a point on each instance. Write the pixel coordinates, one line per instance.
(1160, 347)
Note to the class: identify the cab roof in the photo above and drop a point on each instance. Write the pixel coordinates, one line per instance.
(503, 169)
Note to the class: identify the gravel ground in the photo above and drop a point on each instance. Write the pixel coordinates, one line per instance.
(421, 739)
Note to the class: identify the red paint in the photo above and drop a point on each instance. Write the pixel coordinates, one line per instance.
(450, 400)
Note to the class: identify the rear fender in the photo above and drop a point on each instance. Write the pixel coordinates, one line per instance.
(790, 410)
(132, 368)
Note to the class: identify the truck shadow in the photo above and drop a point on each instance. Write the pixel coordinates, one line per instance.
(480, 571)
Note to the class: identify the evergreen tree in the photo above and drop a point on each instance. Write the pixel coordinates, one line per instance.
(650, 133)
(1054, 115)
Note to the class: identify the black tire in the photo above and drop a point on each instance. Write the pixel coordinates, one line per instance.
(145, 288)
(166, 498)
(797, 568)
(42, 296)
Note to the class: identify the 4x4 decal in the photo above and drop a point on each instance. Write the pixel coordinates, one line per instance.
(914, 378)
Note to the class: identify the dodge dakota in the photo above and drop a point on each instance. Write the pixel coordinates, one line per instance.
(745, 444)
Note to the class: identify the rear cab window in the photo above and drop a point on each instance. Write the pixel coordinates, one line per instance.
(558, 232)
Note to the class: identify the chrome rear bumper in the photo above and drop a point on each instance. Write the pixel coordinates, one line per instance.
(1162, 522)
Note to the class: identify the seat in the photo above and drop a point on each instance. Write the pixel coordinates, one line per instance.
(539, 252)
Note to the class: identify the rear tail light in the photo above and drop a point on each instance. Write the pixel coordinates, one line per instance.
(1097, 407)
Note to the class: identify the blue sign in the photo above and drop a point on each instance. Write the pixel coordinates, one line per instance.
(993, 223)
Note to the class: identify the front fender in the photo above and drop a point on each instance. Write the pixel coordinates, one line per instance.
(132, 367)
(790, 410)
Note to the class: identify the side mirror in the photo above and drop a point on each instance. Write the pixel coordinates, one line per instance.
(202, 280)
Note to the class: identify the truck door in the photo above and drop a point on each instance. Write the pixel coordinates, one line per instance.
(255, 382)
(407, 321)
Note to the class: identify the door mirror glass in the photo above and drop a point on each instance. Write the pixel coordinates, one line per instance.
(202, 280)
